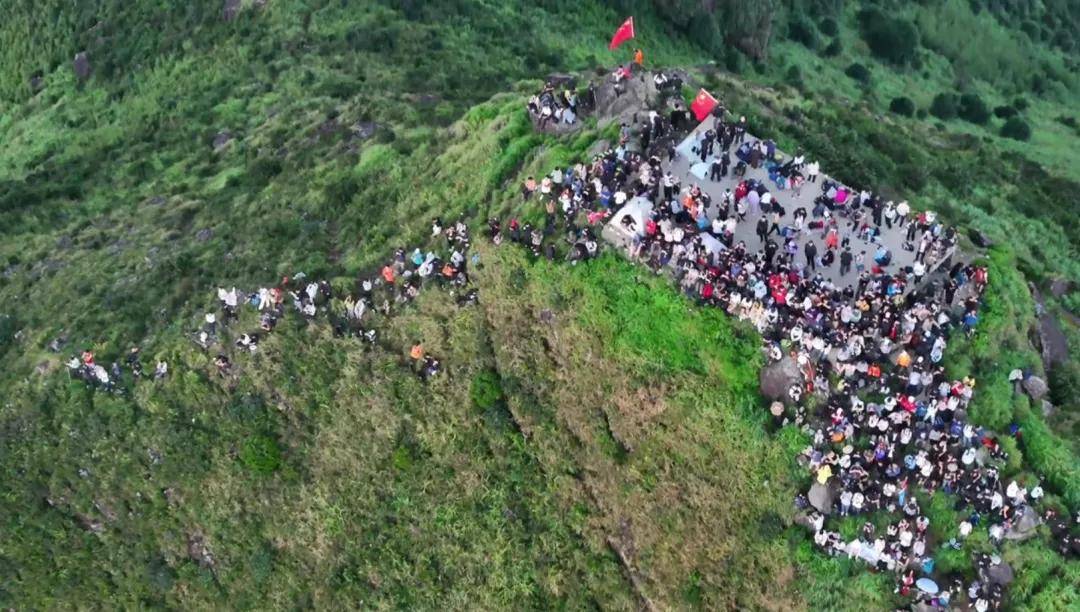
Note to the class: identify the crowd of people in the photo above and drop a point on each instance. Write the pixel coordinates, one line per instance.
(444, 264)
(885, 421)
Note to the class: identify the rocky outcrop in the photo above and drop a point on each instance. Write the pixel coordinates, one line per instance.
(777, 378)
(1035, 387)
(1024, 527)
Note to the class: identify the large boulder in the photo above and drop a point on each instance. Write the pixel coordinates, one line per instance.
(1025, 526)
(558, 80)
(1000, 573)
(776, 378)
(81, 65)
(1035, 387)
(821, 497)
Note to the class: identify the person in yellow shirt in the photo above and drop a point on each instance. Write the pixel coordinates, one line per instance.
(824, 473)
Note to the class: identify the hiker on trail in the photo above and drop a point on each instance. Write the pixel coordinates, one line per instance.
(812, 171)
(639, 58)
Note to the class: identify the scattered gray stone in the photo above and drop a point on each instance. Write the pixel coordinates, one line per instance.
(65, 242)
(1035, 387)
(328, 128)
(81, 65)
(57, 344)
(980, 239)
(363, 130)
(106, 511)
(204, 234)
(89, 524)
(222, 140)
(37, 83)
(155, 455)
(547, 316)
(84, 473)
(157, 201)
(199, 551)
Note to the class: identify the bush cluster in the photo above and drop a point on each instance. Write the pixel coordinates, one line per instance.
(891, 39)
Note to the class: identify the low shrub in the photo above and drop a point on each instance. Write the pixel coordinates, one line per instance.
(802, 31)
(902, 106)
(834, 49)
(261, 454)
(859, 72)
(891, 39)
(973, 109)
(1004, 111)
(829, 27)
(486, 389)
(1016, 128)
(944, 106)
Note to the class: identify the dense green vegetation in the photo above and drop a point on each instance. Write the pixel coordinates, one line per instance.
(323, 473)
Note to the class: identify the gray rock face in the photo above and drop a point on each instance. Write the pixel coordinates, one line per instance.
(558, 79)
(81, 65)
(1035, 387)
(204, 234)
(599, 147)
(777, 378)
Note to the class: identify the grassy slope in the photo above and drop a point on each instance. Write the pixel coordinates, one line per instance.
(385, 484)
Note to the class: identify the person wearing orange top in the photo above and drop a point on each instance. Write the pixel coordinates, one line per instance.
(388, 274)
(417, 352)
(639, 57)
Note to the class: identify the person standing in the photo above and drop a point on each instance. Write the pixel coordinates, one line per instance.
(812, 170)
(810, 250)
(845, 261)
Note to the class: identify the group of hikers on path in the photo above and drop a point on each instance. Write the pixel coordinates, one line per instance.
(444, 264)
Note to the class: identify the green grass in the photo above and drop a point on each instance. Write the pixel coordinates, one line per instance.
(325, 474)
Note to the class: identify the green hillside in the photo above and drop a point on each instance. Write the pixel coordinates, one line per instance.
(610, 453)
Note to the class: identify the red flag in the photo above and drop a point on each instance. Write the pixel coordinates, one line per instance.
(703, 104)
(623, 34)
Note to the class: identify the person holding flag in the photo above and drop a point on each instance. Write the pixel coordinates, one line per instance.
(623, 34)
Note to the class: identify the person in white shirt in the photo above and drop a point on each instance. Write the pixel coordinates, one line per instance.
(812, 170)
(902, 211)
